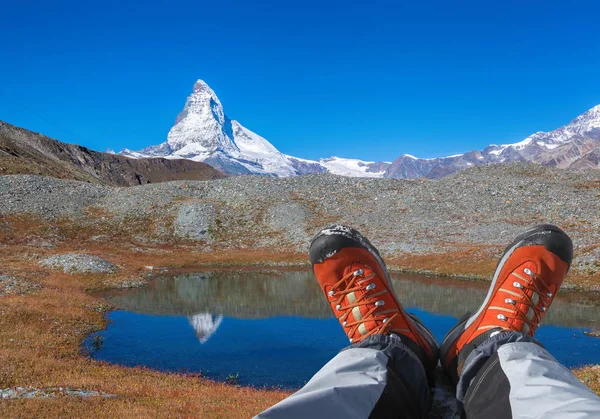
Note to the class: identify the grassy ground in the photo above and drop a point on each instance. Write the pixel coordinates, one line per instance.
(40, 347)
(41, 332)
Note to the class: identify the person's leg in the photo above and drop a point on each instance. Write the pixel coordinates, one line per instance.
(512, 375)
(387, 371)
(500, 370)
(376, 378)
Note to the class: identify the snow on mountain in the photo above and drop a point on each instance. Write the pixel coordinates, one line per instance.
(255, 148)
(203, 132)
(585, 124)
(576, 144)
(350, 167)
(202, 127)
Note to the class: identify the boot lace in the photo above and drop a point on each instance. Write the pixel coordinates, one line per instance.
(357, 281)
(537, 304)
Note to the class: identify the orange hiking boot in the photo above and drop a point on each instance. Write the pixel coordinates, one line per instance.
(357, 286)
(528, 276)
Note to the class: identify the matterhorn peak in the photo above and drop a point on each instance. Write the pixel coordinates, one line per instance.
(202, 127)
(201, 84)
(202, 87)
(203, 132)
(202, 96)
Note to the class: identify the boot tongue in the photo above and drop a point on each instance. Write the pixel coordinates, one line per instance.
(357, 313)
(520, 323)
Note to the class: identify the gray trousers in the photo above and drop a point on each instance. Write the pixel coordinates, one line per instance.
(509, 375)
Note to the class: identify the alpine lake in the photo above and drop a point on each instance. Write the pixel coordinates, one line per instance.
(273, 328)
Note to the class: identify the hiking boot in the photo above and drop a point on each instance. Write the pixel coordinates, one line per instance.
(527, 278)
(357, 286)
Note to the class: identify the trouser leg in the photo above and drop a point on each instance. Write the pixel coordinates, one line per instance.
(377, 378)
(510, 375)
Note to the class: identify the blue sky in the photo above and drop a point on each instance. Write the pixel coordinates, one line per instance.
(370, 80)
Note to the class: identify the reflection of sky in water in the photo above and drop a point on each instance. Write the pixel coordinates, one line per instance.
(274, 351)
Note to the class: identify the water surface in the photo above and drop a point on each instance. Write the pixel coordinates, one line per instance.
(275, 328)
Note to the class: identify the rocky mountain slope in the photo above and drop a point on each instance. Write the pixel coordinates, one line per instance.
(473, 213)
(203, 132)
(25, 152)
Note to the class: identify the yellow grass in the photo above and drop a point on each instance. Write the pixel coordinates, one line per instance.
(41, 332)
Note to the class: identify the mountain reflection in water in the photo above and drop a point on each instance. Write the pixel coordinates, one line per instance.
(275, 328)
(205, 325)
(244, 294)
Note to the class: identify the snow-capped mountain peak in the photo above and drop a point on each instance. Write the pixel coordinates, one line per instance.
(571, 145)
(202, 127)
(202, 86)
(587, 121)
(203, 132)
(585, 124)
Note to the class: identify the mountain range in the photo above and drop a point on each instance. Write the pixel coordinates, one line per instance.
(204, 133)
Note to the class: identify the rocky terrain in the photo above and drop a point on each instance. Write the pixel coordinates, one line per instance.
(476, 212)
(79, 263)
(61, 240)
(35, 393)
(25, 152)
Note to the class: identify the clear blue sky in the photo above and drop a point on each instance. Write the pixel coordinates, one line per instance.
(370, 80)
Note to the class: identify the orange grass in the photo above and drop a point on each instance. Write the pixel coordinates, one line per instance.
(40, 347)
(476, 262)
(590, 376)
(41, 332)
